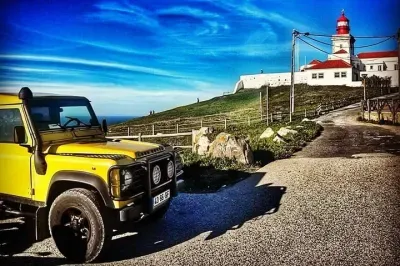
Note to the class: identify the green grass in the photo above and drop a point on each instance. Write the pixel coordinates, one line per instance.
(306, 97)
(207, 174)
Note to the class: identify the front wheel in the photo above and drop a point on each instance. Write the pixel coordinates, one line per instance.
(77, 225)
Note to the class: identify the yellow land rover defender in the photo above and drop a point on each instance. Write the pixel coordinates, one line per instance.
(58, 167)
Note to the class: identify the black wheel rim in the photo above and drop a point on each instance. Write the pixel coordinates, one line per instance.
(77, 221)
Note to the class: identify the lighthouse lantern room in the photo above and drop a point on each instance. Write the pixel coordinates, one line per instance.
(342, 41)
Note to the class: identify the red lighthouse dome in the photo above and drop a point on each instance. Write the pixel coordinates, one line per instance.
(343, 25)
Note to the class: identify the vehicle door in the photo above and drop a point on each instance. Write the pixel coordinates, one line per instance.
(15, 159)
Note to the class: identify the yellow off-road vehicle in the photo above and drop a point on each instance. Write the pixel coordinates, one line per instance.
(58, 167)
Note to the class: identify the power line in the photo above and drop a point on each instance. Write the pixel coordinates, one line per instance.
(363, 46)
(319, 49)
(315, 47)
(358, 37)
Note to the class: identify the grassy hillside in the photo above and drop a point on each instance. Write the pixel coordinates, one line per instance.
(306, 97)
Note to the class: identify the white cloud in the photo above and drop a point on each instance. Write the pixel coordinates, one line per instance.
(113, 100)
(188, 11)
(94, 63)
(133, 13)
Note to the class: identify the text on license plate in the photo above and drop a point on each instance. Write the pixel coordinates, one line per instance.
(160, 198)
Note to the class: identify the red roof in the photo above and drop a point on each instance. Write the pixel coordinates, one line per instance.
(314, 62)
(331, 64)
(377, 54)
(342, 17)
(341, 52)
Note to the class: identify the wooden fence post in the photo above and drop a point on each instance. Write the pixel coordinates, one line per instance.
(369, 109)
(362, 108)
(177, 128)
(393, 112)
(305, 113)
(378, 110)
(272, 119)
(201, 123)
(129, 131)
(261, 106)
(225, 123)
(140, 136)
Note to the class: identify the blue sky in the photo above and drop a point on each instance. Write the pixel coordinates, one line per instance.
(130, 57)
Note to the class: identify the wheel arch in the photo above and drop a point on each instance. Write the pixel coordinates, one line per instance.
(65, 180)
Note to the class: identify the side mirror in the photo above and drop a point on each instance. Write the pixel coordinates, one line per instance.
(104, 126)
(19, 134)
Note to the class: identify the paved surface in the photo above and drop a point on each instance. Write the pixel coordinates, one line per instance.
(324, 206)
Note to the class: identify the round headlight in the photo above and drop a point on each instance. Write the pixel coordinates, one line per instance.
(156, 175)
(126, 177)
(170, 169)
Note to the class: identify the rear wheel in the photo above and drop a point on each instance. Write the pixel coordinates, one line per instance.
(77, 225)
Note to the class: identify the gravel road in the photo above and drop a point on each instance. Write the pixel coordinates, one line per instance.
(336, 202)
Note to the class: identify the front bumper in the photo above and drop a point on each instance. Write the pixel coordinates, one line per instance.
(140, 209)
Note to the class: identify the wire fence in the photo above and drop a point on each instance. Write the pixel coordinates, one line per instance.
(247, 116)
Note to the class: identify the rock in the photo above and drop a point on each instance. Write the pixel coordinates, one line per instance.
(299, 127)
(288, 127)
(285, 131)
(267, 133)
(201, 141)
(278, 139)
(206, 130)
(228, 146)
(305, 120)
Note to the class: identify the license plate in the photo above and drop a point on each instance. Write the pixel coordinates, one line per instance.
(161, 198)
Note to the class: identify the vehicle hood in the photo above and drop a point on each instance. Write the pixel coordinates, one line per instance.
(132, 149)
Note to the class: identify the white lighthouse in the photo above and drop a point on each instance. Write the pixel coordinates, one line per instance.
(343, 41)
(342, 66)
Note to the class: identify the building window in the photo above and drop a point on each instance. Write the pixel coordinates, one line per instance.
(314, 76)
(320, 75)
(344, 74)
(379, 68)
(396, 66)
(337, 75)
(371, 67)
(341, 46)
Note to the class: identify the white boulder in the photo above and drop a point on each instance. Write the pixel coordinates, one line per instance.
(267, 133)
(229, 146)
(201, 141)
(285, 131)
(278, 139)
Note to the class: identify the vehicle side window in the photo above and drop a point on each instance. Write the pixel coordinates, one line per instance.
(9, 118)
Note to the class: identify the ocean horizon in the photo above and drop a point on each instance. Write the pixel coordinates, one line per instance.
(115, 119)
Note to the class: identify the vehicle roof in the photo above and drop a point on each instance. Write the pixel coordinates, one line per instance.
(12, 97)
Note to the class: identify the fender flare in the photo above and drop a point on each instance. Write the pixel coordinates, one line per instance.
(85, 178)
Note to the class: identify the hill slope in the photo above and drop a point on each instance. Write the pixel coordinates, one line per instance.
(306, 97)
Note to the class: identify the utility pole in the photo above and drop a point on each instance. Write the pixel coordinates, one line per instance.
(266, 98)
(294, 35)
(398, 60)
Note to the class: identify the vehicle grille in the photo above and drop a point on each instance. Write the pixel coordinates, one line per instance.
(139, 175)
(164, 174)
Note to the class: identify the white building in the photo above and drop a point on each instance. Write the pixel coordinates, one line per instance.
(342, 67)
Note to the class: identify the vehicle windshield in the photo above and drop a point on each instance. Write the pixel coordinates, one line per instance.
(57, 113)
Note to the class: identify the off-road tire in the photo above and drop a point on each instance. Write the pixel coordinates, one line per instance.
(72, 247)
